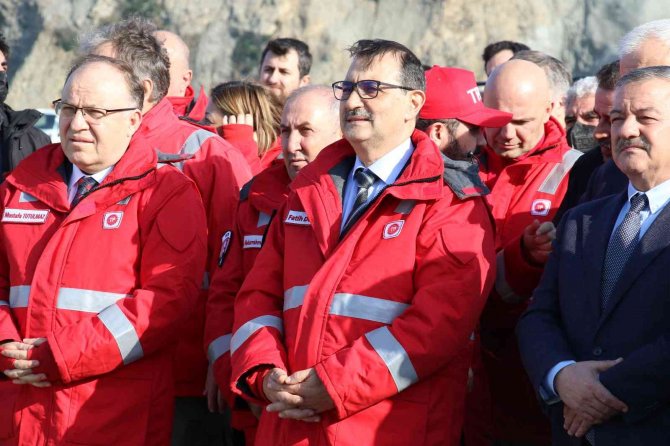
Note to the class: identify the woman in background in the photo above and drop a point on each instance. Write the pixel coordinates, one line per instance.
(248, 117)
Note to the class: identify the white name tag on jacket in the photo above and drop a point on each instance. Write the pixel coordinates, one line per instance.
(24, 216)
(297, 218)
(252, 241)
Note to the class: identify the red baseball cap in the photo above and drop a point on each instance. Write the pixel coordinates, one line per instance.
(452, 93)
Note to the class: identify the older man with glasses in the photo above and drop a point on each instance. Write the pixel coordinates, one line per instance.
(101, 257)
(353, 324)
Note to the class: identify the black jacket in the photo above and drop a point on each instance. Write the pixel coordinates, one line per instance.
(18, 137)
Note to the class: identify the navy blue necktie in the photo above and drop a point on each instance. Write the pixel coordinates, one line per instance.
(364, 180)
(84, 186)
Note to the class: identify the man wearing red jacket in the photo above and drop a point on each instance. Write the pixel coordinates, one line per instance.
(180, 93)
(218, 170)
(353, 323)
(309, 123)
(101, 254)
(526, 165)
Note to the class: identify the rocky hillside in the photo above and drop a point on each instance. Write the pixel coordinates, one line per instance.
(226, 36)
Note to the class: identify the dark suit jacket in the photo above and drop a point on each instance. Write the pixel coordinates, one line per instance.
(564, 321)
(605, 180)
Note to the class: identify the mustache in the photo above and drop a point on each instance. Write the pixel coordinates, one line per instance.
(641, 141)
(358, 112)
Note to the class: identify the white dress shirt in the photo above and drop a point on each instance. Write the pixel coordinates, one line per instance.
(76, 174)
(387, 169)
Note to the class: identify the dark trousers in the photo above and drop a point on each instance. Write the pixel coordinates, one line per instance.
(194, 425)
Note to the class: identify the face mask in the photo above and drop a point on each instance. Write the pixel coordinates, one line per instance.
(580, 137)
(4, 86)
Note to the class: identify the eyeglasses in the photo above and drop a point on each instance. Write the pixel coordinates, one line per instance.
(366, 89)
(92, 114)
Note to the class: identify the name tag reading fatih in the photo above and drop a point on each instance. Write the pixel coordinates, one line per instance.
(30, 216)
(297, 218)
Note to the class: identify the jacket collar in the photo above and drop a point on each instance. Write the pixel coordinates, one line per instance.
(270, 188)
(158, 120)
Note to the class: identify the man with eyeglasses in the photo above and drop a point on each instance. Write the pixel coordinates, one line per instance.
(353, 324)
(101, 255)
(218, 170)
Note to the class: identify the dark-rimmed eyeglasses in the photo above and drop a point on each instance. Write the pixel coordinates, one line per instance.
(94, 114)
(366, 89)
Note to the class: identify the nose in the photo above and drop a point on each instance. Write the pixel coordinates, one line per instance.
(625, 128)
(78, 122)
(602, 130)
(274, 77)
(293, 140)
(507, 132)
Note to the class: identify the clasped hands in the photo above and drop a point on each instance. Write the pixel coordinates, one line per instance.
(300, 396)
(586, 402)
(22, 373)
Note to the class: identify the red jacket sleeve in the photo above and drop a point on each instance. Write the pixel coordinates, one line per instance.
(173, 239)
(241, 136)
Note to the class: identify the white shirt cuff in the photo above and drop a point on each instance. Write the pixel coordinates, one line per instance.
(547, 390)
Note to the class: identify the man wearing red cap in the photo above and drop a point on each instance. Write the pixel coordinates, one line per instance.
(454, 112)
(525, 164)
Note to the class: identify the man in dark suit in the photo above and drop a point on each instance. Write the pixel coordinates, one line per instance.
(595, 339)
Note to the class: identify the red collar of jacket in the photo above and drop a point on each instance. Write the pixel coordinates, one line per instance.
(159, 119)
(551, 148)
(270, 187)
(188, 105)
(42, 174)
(421, 178)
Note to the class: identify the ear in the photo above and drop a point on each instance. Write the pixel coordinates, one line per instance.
(549, 110)
(188, 75)
(416, 100)
(438, 134)
(305, 80)
(134, 122)
(148, 90)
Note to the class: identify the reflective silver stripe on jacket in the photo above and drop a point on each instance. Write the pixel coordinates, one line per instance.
(394, 356)
(193, 144)
(503, 288)
(218, 347)
(555, 177)
(26, 198)
(123, 332)
(251, 327)
(293, 297)
(4, 303)
(91, 301)
(18, 296)
(263, 219)
(366, 307)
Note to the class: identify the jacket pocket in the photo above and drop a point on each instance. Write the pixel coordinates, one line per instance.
(9, 417)
(109, 410)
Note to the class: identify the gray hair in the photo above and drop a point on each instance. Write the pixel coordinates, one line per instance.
(558, 75)
(644, 74)
(631, 42)
(322, 91)
(134, 42)
(582, 87)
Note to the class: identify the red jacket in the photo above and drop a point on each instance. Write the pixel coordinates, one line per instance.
(219, 172)
(107, 283)
(188, 105)
(242, 137)
(383, 314)
(527, 189)
(259, 200)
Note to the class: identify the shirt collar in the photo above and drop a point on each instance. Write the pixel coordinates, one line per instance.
(77, 174)
(657, 196)
(388, 167)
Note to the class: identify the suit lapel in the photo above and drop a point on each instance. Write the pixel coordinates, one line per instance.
(597, 229)
(654, 241)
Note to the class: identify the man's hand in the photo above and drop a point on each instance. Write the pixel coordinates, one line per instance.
(315, 398)
(23, 367)
(574, 424)
(215, 402)
(580, 390)
(537, 240)
(246, 119)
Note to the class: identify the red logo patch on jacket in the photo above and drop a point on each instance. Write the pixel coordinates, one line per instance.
(540, 207)
(112, 220)
(392, 230)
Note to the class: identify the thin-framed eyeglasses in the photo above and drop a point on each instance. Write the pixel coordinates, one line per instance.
(366, 89)
(92, 114)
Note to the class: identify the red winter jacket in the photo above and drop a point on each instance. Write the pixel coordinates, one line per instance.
(219, 172)
(528, 189)
(107, 283)
(188, 106)
(383, 314)
(242, 137)
(259, 200)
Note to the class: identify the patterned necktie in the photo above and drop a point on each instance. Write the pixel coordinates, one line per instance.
(364, 179)
(84, 186)
(621, 247)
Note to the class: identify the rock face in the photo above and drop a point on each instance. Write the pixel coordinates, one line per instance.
(226, 36)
